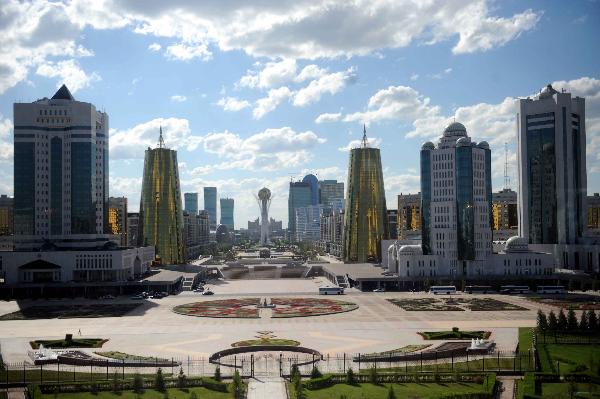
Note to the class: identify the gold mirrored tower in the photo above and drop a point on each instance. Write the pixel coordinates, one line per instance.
(365, 217)
(161, 216)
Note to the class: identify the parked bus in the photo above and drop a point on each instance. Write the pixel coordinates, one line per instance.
(551, 289)
(331, 290)
(442, 289)
(478, 289)
(514, 289)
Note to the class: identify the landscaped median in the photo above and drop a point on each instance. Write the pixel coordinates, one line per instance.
(454, 334)
(68, 342)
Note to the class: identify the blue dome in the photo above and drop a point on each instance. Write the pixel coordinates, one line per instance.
(455, 129)
(428, 146)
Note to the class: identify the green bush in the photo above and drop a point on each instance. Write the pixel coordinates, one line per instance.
(319, 383)
(159, 381)
(315, 373)
(350, 378)
(214, 385)
(218, 374)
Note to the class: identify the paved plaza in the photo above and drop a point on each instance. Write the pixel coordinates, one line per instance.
(153, 329)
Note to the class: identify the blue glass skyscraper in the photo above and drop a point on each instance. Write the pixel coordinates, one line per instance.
(210, 206)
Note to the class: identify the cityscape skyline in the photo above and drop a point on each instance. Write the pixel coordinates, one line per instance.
(404, 97)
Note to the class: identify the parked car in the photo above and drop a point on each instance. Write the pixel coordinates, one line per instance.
(208, 292)
(108, 296)
(199, 289)
(138, 296)
(157, 295)
(164, 294)
(381, 289)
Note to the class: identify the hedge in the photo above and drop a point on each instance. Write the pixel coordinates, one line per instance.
(319, 383)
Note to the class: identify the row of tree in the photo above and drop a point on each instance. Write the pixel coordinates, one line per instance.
(568, 322)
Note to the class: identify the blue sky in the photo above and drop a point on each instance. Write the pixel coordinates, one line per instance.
(254, 95)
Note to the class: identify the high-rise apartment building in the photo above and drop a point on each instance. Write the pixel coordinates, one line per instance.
(366, 214)
(133, 220)
(6, 215)
(456, 190)
(392, 220)
(60, 172)
(227, 213)
(196, 233)
(308, 223)
(190, 201)
(117, 218)
(210, 206)
(161, 216)
(300, 196)
(552, 168)
(409, 215)
(329, 191)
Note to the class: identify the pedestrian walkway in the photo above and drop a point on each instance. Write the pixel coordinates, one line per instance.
(507, 387)
(264, 386)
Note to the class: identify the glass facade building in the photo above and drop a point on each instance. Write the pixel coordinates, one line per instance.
(190, 203)
(313, 182)
(210, 206)
(227, 206)
(300, 196)
(330, 191)
(366, 214)
(161, 216)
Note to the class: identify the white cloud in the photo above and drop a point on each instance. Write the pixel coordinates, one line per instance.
(154, 47)
(6, 145)
(414, 77)
(178, 98)
(267, 104)
(232, 104)
(323, 118)
(311, 71)
(273, 74)
(329, 83)
(187, 52)
(372, 141)
(69, 73)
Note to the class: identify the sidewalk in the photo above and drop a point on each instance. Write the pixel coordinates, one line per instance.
(262, 387)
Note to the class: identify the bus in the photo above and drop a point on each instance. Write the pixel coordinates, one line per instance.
(551, 289)
(442, 289)
(478, 289)
(514, 289)
(331, 290)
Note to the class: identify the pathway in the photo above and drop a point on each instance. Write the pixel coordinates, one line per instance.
(507, 386)
(265, 386)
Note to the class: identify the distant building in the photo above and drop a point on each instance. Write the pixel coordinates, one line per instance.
(210, 205)
(161, 216)
(190, 201)
(300, 195)
(505, 219)
(6, 215)
(117, 218)
(392, 219)
(329, 191)
(593, 206)
(409, 216)
(133, 220)
(227, 213)
(313, 183)
(308, 223)
(196, 233)
(366, 214)
(332, 230)
(223, 236)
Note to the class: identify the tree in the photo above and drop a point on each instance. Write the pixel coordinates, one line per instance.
(94, 388)
(350, 379)
(159, 381)
(181, 379)
(583, 321)
(562, 320)
(193, 395)
(572, 320)
(237, 386)
(552, 321)
(592, 320)
(115, 385)
(542, 322)
(373, 375)
(138, 383)
(391, 394)
(315, 372)
(218, 373)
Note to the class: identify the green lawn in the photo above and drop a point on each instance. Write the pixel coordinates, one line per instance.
(174, 393)
(525, 339)
(409, 390)
(569, 357)
(523, 363)
(126, 356)
(73, 343)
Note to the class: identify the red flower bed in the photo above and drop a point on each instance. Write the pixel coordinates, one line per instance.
(227, 308)
(301, 307)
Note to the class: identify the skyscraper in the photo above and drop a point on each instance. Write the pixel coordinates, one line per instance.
(308, 223)
(227, 213)
(60, 172)
(191, 203)
(366, 216)
(313, 182)
(117, 218)
(161, 217)
(300, 196)
(329, 191)
(456, 200)
(552, 168)
(210, 205)
(6, 215)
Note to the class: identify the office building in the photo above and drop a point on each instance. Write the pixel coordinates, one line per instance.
(409, 216)
(117, 218)
(210, 206)
(300, 196)
(366, 214)
(329, 191)
(227, 213)
(133, 220)
(60, 173)
(308, 223)
(196, 233)
(392, 220)
(190, 201)
(6, 215)
(332, 230)
(161, 216)
(504, 215)
(313, 182)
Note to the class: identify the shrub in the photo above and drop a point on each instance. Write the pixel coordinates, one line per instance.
(94, 388)
(319, 382)
(181, 379)
(562, 320)
(350, 378)
(214, 385)
(315, 373)
(373, 375)
(455, 329)
(138, 383)
(237, 386)
(592, 320)
(193, 395)
(572, 320)
(159, 381)
(218, 374)
(542, 322)
(115, 385)
(552, 321)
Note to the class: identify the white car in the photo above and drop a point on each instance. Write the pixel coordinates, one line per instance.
(379, 290)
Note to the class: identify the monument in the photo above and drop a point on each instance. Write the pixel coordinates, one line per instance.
(264, 202)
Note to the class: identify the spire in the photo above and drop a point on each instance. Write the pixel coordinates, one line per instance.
(365, 142)
(161, 142)
(63, 94)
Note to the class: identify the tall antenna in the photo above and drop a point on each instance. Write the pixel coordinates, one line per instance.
(161, 142)
(365, 142)
(506, 177)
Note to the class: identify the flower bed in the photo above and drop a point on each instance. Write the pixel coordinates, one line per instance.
(302, 307)
(226, 308)
(570, 301)
(424, 304)
(71, 311)
(486, 304)
(266, 342)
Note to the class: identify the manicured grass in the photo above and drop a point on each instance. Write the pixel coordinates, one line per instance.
(570, 357)
(73, 343)
(71, 311)
(524, 363)
(409, 390)
(434, 335)
(38, 375)
(424, 305)
(562, 390)
(126, 356)
(404, 349)
(267, 342)
(525, 339)
(174, 393)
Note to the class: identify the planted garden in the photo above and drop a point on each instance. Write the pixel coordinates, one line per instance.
(71, 311)
(244, 308)
(302, 307)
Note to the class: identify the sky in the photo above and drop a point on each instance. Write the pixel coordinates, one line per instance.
(256, 93)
